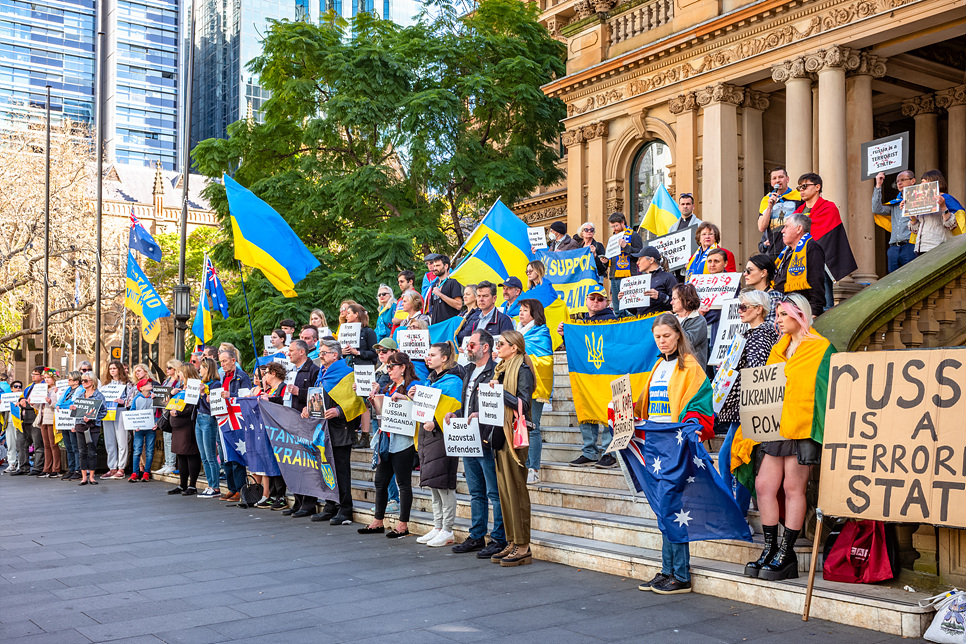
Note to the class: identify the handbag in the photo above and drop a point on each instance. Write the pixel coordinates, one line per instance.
(860, 554)
(380, 448)
(949, 624)
(164, 422)
(251, 493)
(521, 436)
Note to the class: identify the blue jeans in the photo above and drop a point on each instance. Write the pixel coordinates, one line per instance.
(480, 476)
(589, 432)
(536, 441)
(675, 559)
(899, 255)
(829, 293)
(206, 435)
(615, 289)
(143, 442)
(70, 445)
(740, 493)
(235, 475)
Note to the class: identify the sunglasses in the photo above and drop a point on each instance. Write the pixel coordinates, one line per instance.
(685, 194)
(87, 370)
(394, 364)
(747, 271)
(806, 185)
(499, 343)
(745, 307)
(17, 387)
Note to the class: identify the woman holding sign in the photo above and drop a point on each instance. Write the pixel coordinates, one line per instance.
(115, 436)
(87, 429)
(70, 440)
(206, 427)
(708, 237)
(536, 335)
(183, 442)
(51, 451)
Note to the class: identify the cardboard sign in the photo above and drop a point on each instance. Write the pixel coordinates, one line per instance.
(889, 154)
(365, 375)
(192, 391)
(613, 246)
(632, 291)
(622, 401)
(425, 400)
(85, 407)
(267, 342)
(138, 419)
(114, 390)
(462, 438)
(63, 420)
(397, 417)
(729, 326)
(7, 401)
(713, 289)
(538, 238)
(219, 406)
(727, 373)
(920, 199)
(895, 441)
(414, 343)
(316, 402)
(349, 335)
(491, 404)
(677, 247)
(762, 396)
(38, 395)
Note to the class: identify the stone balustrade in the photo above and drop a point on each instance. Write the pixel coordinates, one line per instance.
(639, 18)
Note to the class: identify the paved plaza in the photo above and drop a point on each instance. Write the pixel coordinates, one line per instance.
(127, 563)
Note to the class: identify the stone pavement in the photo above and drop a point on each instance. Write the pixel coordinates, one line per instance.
(126, 563)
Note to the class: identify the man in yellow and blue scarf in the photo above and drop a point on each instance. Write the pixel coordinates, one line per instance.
(801, 265)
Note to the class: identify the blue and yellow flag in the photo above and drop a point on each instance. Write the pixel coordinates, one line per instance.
(202, 324)
(508, 235)
(483, 263)
(141, 298)
(449, 400)
(15, 418)
(553, 308)
(599, 352)
(337, 381)
(265, 241)
(662, 213)
(571, 273)
(541, 354)
(446, 330)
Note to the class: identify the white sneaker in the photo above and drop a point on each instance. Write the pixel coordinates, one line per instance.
(532, 477)
(429, 536)
(163, 470)
(209, 494)
(444, 538)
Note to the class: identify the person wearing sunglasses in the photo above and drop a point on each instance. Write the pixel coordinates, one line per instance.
(781, 202)
(13, 463)
(801, 265)
(759, 274)
(585, 239)
(88, 428)
(387, 308)
(687, 219)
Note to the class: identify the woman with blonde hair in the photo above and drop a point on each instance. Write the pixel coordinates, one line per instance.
(535, 273)
(206, 428)
(183, 442)
(115, 435)
(172, 380)
(412, 305)
(387, 308)
(51, 451)
(317, 319)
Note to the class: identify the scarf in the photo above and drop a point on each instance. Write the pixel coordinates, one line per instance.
(696, 265)
(622, 266)
(511, 372)
(797, 278)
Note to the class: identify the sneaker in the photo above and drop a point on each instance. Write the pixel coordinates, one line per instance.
(134, 478)
(470, 545)
(145, 477)
(209, 493)
(672, 586)
(444, 538)
(392, 507)
(191, 491)
(341, 519)
(582, 461)
(493, 548)
(264, 503)
(176, 490)
(532, 477)
(161, 470)
(659, 578)
(280, 503)
(429, 536)
(607, 462)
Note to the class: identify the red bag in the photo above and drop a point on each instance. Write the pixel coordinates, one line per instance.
(859, 555)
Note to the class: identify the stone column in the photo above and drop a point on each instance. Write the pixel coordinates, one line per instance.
(859, 221)
(926, 148)
(576, 162)
(753, 180)
(685, 107)
(595, 135)
(719, 158)
(953, 100)
(798, 115)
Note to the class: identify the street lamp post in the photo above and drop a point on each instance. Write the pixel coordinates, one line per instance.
(181, 290)
(46, 338)
(99, 155)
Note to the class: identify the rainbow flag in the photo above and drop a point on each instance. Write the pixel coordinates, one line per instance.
(662, 213)
(337, 381)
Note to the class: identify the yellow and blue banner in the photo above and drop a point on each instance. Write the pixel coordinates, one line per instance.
(449, 400)
(541, 354)
(483, 263)
(662, 213)
(508, 235)
(201, 327)
(141, 298)
(265, 241)
(337, 381)
(599, 352)
(15, 418)
(303, 450)
(572, 273)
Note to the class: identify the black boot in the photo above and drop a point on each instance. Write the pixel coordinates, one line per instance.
(785, 564)
(771, 547)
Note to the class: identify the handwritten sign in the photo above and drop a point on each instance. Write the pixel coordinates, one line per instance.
(61, 384)
(63, 420)
(677, 247)
(138, 419)
(632, 291)
(85, 407)
(349, 335)
(192, 391)
(397, 417)
(365, 375)
(38, 395)
(425, 400)
(762, 395)
(414, 343)
(622, 401)
(729, 326)
(920, 199)
(219, 407)
(267, 342)
(491, 404)
(614, 246)
(7, 401)
(889, 154)
(114, 390)
(462, 438)
(724, 379)
(538, 238)
(713, 289)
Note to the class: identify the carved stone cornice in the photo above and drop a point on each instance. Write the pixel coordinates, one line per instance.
(870, 65)
(756, 100)
(595, 130)
(951, 97)
(573, 137)
(720, 93)
(832, 58)
(543, 215)
(918, 105)
(683, 103)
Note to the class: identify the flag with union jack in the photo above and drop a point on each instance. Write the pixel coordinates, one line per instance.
(232, 429)
(141, 240)
(219, 301)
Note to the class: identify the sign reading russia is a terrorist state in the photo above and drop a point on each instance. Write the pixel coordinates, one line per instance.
(895, 437)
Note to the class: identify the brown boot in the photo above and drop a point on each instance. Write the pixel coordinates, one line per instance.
(498, 557)
(521, 556)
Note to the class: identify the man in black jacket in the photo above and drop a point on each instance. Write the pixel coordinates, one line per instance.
(623, 265)
(490, 319)
(306, 372)
(480, 472)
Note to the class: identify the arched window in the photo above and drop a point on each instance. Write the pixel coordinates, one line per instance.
(650, 169)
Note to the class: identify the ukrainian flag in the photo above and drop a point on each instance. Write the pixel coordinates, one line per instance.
(662, 213)
(141, 298)
(338, 381)
(446, 330)
(508, 234)
(15, 418)
(202, 324)
(263, 240)
(449, 400)
(541, 354)
(571, 273)
(553, 307)
(599, 352)
(482, 264)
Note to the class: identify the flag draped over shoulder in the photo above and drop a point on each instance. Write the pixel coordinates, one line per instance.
(662, 213)
(337, 380)
(600, 352)
(302, 449)
(141, 298)
(668, 463)
(508, 235)
(482, 264)
(541, 354)
(553, 308)
(259, 456)
(449, 400)
(265, 241)
(829, 231)
(231, 428)
(571, 273)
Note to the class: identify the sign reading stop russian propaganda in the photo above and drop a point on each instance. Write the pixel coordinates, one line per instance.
(895, 437)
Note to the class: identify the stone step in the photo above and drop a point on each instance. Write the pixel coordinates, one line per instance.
(561, 369)
(565, 435)
(565, 406)
(558, 418)
(562, 392)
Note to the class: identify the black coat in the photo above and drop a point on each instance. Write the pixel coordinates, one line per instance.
(367, 354)
(662, 282)
(472, 405)
(304, 378)
(436, 469)
(183, 431)
(599, 251)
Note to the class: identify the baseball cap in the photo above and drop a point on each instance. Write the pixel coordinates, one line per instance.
(648, 251)
(597, 289)
(513, 282)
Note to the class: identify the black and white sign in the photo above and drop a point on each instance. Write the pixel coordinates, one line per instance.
(63, 420)
(267, 341)
(161, 396)
(614, 246)
(462, 438)
(7, 401)
(538, 238)
(425, 400)
(414, 343)
(114, 390)
(397, 417)
(677, 247)
(85, 407)
(622, 401)
(218, 405)
(729, 326)
(365, 375)
(38, 395)
(632, 291)
(138, 419)
(349, 335)
(889, 154)
(192, 391)
(491, 404)
(762, 397)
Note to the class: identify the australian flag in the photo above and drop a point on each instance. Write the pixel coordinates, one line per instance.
(142, 241)
(219, 302)
(668, 463)
(259, 456)
(232, 429)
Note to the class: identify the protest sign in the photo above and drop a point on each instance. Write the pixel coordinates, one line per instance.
(61, 384)
(622, 401)
(414, 343)
(889, 154)
(267, 342)
(920, 199)
(613, 246)
(491, 404)
(219, 407)
(397, 417)
(462, 438)
(365, 375)
(571, 273)
(192, 391)
(85, 407)
(463, 359)
(7, 401)
(677, 247)
(538, 238)
(161, 395)
(349, 335)
(724, 378)
(895, 441)
(715, 288)
(303, 451)
(425, 400)
(762, 395)
(316, 402)
(38, 395)
(114, 390)
(729, 326)
(138, 419)
(63, 420)
(632, 291)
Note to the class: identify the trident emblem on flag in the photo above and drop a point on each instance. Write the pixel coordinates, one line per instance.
(595, 350)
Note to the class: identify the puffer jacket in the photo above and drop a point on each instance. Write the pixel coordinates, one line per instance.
(436, 469)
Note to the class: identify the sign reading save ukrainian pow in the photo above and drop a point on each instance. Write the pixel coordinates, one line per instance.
(571, 273)
(895, 442)
(762, 396)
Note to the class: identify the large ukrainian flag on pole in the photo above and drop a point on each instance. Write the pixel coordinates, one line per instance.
(263, 240)
(337, 381)
(662, 213)
(201, 327)
(141, 298)
(508, 235)
(483, 263)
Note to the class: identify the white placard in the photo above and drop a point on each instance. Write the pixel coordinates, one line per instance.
(463, 359)
(192, 391)
(538, 238)
(632, 291)
(349, 335)
(7, 401)
(622, 402)
(324, 331)
(491, 404)
(61, 384)
(219, 405)
(714, 288)
(729, 326)
(285, 362)
(62, 420)
(462, 438)
(114, 390)
(267, 341)
(677, 247)
(614, 246)
(365, 375)
(38, 395)
(397, 417)
(889, 154)
(724, 379)
(138, 419)
(425, 400)
(414, 343)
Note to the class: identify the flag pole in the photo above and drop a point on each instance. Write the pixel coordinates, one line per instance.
(241, 270)
(460, 249)
(811, 564)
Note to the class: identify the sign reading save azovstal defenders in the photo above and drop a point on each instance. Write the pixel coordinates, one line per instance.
(895, 438)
